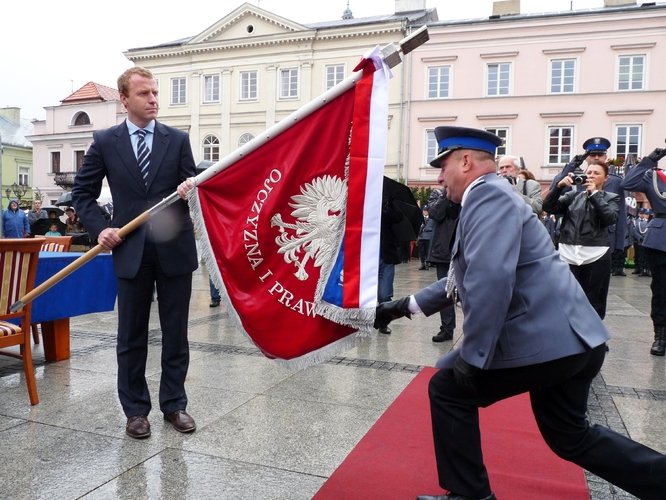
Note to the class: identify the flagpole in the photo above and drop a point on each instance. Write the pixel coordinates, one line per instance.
(389, 53)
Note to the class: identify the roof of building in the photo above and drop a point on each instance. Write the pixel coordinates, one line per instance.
(92, 92)
(412, 17)
(14, 134)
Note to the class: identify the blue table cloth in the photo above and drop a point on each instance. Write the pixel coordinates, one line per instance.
(91, 288)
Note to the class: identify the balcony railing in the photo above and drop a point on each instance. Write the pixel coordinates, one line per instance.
(64, 179)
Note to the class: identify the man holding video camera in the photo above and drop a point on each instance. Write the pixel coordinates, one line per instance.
(596, 154)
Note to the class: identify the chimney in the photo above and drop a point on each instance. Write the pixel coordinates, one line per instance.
(506, 7)
(409, 5)
(11, 114)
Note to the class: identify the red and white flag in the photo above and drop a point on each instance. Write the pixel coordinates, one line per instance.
(290, 230)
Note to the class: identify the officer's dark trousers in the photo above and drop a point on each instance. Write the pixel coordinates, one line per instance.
(656, 260)
(558, 392)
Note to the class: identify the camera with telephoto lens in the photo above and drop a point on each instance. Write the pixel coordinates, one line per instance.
(579, 177)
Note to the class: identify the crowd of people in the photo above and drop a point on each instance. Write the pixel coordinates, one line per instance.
(19, 223)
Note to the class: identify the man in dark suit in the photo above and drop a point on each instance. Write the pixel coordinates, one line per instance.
(528, 327)
(144, 161)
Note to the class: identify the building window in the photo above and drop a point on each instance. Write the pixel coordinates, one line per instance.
(502, 133)
(559, 144)
(431, 147)
(631, 74)
(211, 148)
(55, 162)
(245, 138)
(499, 75)
(627, 141)
(78, 159)
(562, 74)
(211, 88)
(24, 176)
(82, 119)
(178, 91)
(334, 75)
(289, 83)
(439, 82)
(248, 81)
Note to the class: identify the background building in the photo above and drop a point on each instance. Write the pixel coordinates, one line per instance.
(61, 140)
(15, 157)
(543, 82)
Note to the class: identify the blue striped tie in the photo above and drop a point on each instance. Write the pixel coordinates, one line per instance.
(142, 154)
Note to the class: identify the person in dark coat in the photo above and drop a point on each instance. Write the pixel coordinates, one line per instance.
(596, 153)
(144, 162)
(583, 242)
(444, 213)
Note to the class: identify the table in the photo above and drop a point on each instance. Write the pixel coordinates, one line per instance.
(91, 288)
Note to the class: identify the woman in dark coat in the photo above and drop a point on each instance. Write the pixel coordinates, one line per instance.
(586, 215)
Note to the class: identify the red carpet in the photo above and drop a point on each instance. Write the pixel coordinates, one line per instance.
(396, 459)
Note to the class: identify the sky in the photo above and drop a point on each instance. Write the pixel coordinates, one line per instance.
(50, 48)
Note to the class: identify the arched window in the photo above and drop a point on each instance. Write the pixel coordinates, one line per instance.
(82, 119)
(247, 137)
(211, 148)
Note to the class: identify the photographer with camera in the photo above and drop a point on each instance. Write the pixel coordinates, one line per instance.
(586, 216)
(529, 190)
(647, 178)
(595, 154)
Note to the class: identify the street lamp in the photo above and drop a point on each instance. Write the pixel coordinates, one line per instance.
(17, 190)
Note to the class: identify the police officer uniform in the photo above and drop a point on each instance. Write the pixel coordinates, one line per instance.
(647, 178)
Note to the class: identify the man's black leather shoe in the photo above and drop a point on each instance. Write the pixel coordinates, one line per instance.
(443, 336)
(453, 496)
(138, 427)
(181, 421)
(385, 330)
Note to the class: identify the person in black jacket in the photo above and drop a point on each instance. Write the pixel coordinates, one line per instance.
(584, 232)
(444, 213)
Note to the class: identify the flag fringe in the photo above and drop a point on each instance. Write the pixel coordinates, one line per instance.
(323, 354)
(320, 355)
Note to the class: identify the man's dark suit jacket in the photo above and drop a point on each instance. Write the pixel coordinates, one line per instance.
(111, 156)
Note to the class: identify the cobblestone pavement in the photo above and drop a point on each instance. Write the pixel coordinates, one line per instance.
(72, 444)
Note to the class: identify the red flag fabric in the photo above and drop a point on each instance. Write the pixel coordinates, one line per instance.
(273, 220)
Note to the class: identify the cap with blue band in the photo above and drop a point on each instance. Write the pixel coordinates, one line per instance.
(451, 138)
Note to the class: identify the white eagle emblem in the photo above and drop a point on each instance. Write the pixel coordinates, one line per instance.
(319, 216)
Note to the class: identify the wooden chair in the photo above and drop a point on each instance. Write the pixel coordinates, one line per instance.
(18, 267)
(56, 243)
(51, 244)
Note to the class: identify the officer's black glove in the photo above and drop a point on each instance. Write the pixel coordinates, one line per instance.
(657, 154)
(579, 159)
(464, 373)
(388, 311)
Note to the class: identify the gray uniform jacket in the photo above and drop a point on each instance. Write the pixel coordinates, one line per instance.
(640, 178)
(521, 304)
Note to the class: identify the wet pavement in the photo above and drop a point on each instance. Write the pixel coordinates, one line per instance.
(265, 431)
